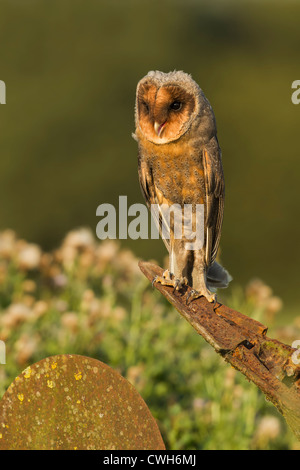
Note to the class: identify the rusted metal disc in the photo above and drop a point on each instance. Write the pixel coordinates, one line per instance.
(75, 402)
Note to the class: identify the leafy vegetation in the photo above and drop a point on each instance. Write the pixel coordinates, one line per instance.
(90, 298)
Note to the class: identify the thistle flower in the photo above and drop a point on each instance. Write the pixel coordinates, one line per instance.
(25, 347)
(268, 429)
(258, 291)
(75, 242)
(70, 321)
(29, 256)
(7, 243)
(80, 238)
(15, 314)
(107, 251)
(40, 308)
(29, 286)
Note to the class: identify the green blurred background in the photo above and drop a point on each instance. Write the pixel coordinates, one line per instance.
(71, 69)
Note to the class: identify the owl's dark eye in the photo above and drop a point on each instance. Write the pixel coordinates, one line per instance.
(176, 105)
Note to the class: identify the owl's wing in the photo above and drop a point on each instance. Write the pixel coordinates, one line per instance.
(215, 192)
(153, 197)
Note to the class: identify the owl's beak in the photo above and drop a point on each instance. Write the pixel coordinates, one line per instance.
(159, 127)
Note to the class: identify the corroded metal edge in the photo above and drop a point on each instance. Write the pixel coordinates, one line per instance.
(243, 343)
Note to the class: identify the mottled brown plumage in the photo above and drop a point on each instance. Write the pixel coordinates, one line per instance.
(180, 163)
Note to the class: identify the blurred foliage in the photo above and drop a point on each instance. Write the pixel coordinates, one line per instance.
(89, 298)
(71, 69)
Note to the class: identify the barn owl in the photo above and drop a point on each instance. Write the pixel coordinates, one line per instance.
(180, 164)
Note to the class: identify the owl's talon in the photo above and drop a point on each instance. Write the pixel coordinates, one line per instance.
(167, 279)
(180, 283)
(154, 280)
(193, 294)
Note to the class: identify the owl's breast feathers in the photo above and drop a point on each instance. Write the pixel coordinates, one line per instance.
(175, 171)
(186, 172)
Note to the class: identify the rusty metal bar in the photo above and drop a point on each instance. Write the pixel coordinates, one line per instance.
(242, 342)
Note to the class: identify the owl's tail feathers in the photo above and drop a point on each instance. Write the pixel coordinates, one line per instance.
(217, 276)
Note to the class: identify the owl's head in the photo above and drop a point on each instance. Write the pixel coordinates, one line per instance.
(167, 104)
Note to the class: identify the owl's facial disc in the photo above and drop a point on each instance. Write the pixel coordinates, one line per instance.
(164, 113)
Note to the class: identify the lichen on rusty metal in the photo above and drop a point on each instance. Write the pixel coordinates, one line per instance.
(79, 408)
